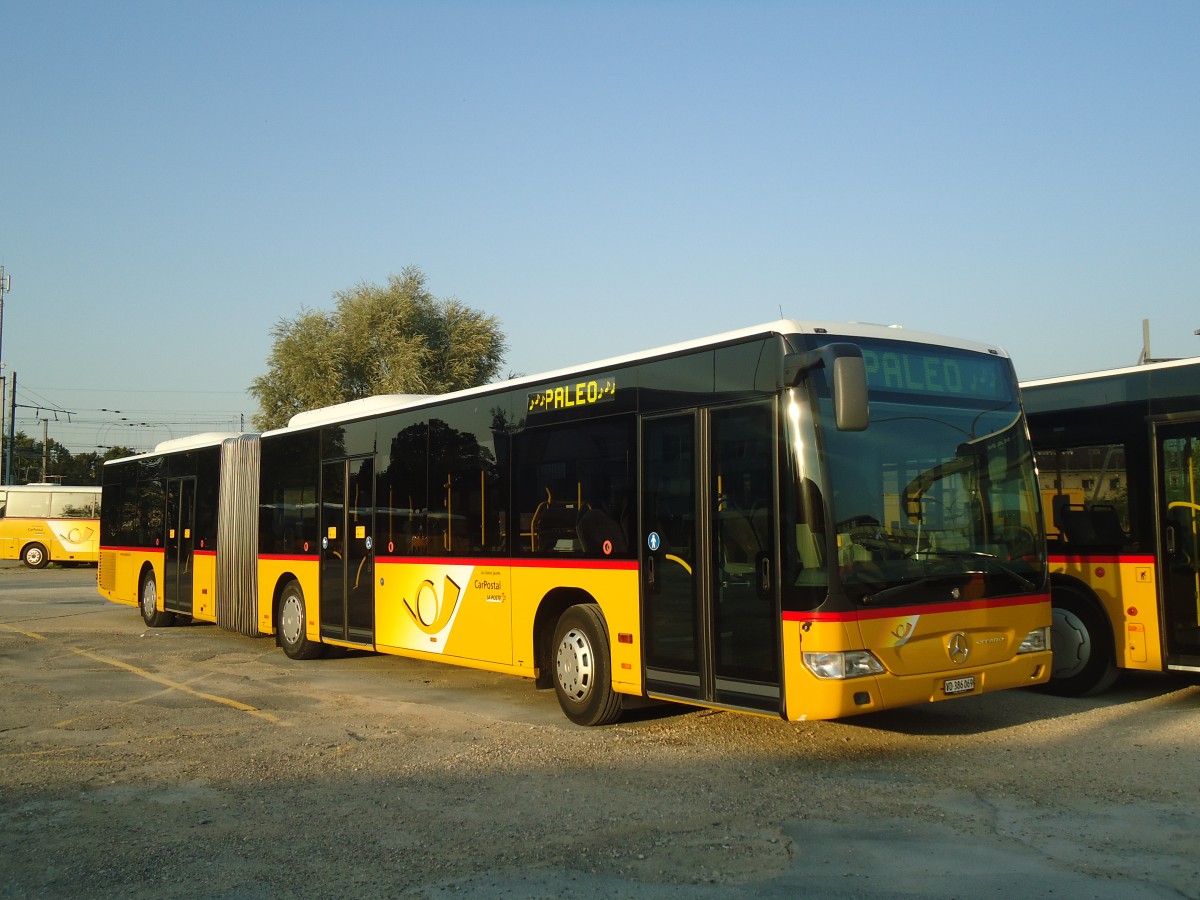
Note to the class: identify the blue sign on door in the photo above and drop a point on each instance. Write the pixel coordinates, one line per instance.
(653, 541)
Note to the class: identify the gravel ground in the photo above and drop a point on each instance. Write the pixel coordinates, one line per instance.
(186, 762)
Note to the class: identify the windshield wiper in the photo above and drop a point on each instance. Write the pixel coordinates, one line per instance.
(991, 559)
(891, 592)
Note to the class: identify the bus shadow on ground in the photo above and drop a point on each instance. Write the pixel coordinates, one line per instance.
(1006, 709)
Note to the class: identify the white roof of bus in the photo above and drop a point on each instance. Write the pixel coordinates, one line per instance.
(1107, 373)
(42, 486)
(192, 442)
(384, 403)
(354, 409)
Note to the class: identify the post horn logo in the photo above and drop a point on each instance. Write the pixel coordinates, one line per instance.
(958, 647)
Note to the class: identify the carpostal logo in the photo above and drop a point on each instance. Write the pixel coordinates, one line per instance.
(432, 610)
(903, 629)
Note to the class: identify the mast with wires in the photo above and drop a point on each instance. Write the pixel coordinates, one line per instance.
(5, 461)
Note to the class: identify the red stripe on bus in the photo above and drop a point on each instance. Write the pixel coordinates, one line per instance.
(1109, 558)
(605, 564)
(891, 612)
(66, 519)
(630, 565)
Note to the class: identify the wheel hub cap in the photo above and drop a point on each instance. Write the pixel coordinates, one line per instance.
(574, 665)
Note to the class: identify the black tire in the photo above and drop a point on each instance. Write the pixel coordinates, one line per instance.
(1082, 640)
(35, 556)
(148, 604)
(582, 679)
(292, 616)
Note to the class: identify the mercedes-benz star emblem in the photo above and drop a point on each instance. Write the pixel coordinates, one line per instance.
(958, 647)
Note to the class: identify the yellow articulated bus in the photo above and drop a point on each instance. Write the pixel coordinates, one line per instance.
(45, 523)
(1119, 459)
(802, 520)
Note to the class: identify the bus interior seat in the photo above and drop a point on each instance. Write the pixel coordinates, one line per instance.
(740, 544)
(1181, 519)
(1095, 526)
(760, 521)
(554, 525)
(810, 554)
(1059, 504)
(595, 527)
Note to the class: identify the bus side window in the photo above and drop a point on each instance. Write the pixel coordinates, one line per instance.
(573, 492)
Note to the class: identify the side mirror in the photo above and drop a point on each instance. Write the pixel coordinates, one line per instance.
(850, 393)
(847, 380)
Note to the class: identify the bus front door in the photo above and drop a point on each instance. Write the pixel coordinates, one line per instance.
(710, 608)
(347, 551)
(1178, 451)
(179, 557)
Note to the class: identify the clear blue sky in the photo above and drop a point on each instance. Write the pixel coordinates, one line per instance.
(176, 177)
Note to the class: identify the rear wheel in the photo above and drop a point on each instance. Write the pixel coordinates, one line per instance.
(148, 602)
(582, 679)
(292, 619)
(1082, 640)
(35, 556)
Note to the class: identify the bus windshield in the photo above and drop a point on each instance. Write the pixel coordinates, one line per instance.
(936, 501)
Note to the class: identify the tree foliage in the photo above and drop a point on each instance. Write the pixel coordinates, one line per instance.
(380, 339)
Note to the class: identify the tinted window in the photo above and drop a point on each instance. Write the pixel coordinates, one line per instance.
(574, 489)
(402, 485)
(676, 383)
(288, 521)
(466, 502)
(72, 505)
(744, 369)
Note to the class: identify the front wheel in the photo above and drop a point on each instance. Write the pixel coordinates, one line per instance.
(292, 619)
(1082, 640)
(581, 667)
(148, 602)
(35, 556)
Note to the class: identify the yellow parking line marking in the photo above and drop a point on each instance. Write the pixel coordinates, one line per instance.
(175, 685)
(28, 634)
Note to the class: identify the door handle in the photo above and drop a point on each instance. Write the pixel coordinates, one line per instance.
(651, 575)
(764, 576)
(1170, 540)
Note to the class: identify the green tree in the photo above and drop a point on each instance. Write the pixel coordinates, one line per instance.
(391, 339)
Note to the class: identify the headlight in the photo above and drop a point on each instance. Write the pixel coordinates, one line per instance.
(1036, 641)
(843, 664)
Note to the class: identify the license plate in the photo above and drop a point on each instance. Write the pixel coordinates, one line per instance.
(959, 685)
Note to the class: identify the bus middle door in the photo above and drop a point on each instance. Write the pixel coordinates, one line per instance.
(179, 557)
(347, 550)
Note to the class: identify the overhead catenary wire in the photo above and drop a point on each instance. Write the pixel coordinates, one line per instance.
(86, 429)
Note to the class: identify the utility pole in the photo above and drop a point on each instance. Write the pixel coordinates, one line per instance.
(5, 285)
(3, 416)
(12, 428)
